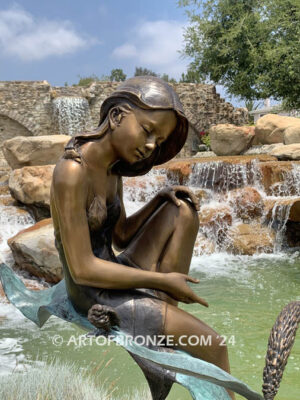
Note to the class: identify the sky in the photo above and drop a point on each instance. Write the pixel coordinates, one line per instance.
(62, 40)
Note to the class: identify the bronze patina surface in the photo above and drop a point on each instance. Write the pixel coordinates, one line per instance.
(142, 124)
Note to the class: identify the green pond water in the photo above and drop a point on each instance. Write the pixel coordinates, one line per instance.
(245, 295)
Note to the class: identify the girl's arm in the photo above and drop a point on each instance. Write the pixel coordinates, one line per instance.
(127, 227)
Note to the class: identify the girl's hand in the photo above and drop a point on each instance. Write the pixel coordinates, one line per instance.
(177, 287)
(174, 193)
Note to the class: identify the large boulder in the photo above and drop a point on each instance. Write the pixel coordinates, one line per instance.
(287, 152)
(31, 186)
(24, 151)
(249, 239)
(227, 139)
(271, 128)
(34, 251)
(292, 134)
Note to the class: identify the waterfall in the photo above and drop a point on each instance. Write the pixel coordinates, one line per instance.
(72, 114)
(233, 203)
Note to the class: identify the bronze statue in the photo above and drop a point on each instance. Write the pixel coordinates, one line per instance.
(142, 124)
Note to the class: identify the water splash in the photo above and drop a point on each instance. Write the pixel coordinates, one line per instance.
(278, 221)
(12, 221)
(72, 114)
(222, 176)
(290, 184)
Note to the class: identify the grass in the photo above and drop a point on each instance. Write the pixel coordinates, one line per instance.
(58, 381)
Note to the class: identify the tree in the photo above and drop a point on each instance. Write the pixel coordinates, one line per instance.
(251, 47)
(117, 75)
(190, 77)
(140, 71)
(166, 78)
(87, 80)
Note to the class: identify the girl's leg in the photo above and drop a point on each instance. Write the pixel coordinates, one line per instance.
(165, 242)
(196, 338)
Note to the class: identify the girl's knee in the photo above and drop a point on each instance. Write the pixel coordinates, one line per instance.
(188, 213)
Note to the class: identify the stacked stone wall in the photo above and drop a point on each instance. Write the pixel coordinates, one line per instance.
(26, 107)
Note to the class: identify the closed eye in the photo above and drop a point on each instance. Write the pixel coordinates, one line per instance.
(146, 130)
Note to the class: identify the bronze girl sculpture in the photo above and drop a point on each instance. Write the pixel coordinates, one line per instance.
(142, 124)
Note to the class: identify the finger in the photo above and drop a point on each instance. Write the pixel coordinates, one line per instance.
(191, 279)
(189, 194)
(201, 301)
(174, 199)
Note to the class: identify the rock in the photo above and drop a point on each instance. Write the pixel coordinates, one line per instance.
(203, 195)
(293, 233)
(205, 154)
(31, 186)
(287, 152)
(292, 134)
(202, 147)
(283, 205)
(247, 203)
(271, 128)
(262, 149)
(34, 251)
(278, 178)
(24, 151)
(179, 172)
(227, 139)
(215, 221)
(248, 239)
(140, 188)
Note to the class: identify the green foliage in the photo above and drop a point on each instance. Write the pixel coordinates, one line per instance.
(205, 139)
(190, 77)
(140, 71)
(166, 78)
(117, 75)
(251, 47)
(86, 80)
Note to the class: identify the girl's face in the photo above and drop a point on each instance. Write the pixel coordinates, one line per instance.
(138, 133)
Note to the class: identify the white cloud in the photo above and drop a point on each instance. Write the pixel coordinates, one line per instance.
(156, 45)
(30, 39)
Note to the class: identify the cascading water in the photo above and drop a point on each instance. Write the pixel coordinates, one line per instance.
(244, 293)
(72, 114)
(224, 212)
(12, 221)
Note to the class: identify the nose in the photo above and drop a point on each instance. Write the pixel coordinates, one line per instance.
(150, 144)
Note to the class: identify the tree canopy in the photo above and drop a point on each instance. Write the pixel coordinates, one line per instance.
(117, 75)
(252, 47)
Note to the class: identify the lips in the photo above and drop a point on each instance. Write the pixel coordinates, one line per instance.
(140, 153)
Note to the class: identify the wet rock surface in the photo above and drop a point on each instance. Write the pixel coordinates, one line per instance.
(249, 239)
(34, 251)
(24, 151)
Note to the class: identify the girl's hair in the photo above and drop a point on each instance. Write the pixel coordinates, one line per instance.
(72, 149)
(145, 93)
